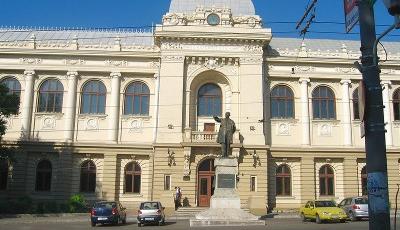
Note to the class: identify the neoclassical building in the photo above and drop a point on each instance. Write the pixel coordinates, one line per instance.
(128, 115)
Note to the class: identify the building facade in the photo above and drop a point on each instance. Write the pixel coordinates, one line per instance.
(128, 115)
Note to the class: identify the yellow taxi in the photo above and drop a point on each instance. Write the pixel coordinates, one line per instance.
(322, 210)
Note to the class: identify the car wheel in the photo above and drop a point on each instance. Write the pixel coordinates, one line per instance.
(352, 217)
(317, 219)
(302, 217)
(93, 224)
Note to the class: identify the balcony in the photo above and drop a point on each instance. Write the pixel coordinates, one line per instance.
(205, 137)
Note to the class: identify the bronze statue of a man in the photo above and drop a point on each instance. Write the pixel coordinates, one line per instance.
(225, 134)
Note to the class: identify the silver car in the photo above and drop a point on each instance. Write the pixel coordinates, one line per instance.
(151, 212)
(355, 207)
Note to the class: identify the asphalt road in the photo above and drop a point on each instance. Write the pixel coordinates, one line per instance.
(77, 223)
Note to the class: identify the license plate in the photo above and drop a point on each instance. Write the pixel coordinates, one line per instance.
(102, 218)
(148, 218)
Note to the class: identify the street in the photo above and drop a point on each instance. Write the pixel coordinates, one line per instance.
(75, 223)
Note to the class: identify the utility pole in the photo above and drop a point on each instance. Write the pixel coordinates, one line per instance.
(375, 146)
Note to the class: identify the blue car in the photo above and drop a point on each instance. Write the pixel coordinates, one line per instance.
(107, 213)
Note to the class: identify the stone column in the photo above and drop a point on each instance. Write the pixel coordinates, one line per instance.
(114, 106)
(27, 103)
(188, 107)
(70, 109)
(386, 111)
(305, 114)
(346, 118)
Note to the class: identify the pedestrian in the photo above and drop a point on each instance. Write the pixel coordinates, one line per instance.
(176, 198)
(179, 197)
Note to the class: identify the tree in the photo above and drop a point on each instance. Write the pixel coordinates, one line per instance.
(9, 105)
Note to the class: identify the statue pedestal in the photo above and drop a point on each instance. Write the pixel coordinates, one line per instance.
(225, 203)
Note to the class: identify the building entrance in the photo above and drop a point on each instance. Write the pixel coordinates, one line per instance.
(205, 182)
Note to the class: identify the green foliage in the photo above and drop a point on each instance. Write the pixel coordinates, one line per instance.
(77, 204)
(9, 105)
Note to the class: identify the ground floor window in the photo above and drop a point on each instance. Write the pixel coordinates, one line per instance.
(167, 182)
(43, 176)
(364, 181)
(88, 177)
(133, 177)
(283, 181)
(326, 181)
(3, 174)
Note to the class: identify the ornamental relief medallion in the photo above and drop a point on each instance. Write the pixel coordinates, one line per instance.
(325, 130)
(135, 126)
(92, 124)
(283, 129)
(48, 123)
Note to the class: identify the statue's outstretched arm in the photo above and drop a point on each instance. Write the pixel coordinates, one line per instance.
(217, 119)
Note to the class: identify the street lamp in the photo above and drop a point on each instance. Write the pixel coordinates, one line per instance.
(393, 7)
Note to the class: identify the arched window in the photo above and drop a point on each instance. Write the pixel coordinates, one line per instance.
(283, 181)
(326, 181)
(396, 105)
(209, 100)
(43, 176)
(137, 98)
(51, 96)
(133, 177)
(282, 102)
(88, 177)
(364, 181)
(13, 85)
(356, 111)
(93, 98)
(3, 174)
(323, 102)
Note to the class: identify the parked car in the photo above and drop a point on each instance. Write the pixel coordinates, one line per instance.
(355, 207)
(107, 213)
(151, 212)
(322, 210)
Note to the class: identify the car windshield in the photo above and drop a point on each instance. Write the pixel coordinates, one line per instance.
(361, 201)
(105, 205)
(149, 205)
(324, 204)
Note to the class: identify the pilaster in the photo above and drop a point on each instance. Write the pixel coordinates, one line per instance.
(110, 177)
(114, 107)
(307, 179)
(346, 118)
(27, 106)
(350, 177)
(305, 113)
(386, 112)
(70, 110)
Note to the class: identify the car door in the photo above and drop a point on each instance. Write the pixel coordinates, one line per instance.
(313, 210)
(342, 205)
(307, 210)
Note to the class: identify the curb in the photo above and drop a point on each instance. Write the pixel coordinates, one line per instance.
(10, 216)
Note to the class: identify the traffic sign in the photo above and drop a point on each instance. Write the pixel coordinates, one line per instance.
(351, 14)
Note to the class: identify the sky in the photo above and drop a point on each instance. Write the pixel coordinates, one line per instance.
(276, 14)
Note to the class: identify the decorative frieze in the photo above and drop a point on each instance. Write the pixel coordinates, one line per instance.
(116, 63)
(168, 58)
(74, 61)
(30, 61)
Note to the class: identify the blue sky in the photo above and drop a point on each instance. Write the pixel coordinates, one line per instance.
(142, 13)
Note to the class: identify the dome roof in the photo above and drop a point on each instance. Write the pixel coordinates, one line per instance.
(238, 7)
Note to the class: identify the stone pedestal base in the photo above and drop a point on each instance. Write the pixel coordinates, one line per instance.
(225, 203)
